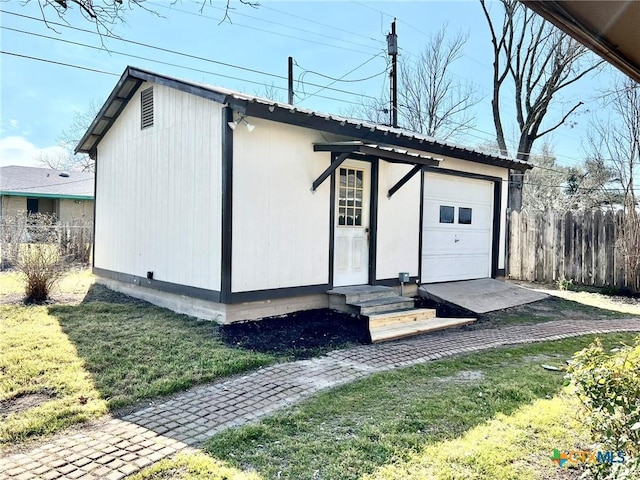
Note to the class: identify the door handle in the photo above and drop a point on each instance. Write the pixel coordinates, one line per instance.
(456, 239)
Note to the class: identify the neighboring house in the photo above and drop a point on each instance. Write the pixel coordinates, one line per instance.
(232, 207)
(67, 195)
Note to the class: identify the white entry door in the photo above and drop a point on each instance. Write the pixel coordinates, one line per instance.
(457, 228)
(351, 232)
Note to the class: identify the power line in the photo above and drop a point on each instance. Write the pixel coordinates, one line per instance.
(175, 52)
(492, 137)
(337, 80)
(240, 14)
(70, 42)
(340, 79)
(325, 25)
(324, 44)
(59, 63)
(45, 60)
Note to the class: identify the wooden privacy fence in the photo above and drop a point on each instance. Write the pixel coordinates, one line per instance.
(581, 246)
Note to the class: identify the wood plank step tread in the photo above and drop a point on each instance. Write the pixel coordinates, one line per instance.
(401, 313)
(360, 289)
(400, 317)
(394, 332)
(382, 301)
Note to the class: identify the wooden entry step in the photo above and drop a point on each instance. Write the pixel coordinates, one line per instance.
(403, 330)
(390, 315)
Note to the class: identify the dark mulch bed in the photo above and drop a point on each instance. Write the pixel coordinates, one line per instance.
(298, 335)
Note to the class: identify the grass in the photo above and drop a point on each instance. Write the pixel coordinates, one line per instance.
(138, 351)
(196, 466)
(517, 446)
(40, 368)
(78, 361)
(391, 423)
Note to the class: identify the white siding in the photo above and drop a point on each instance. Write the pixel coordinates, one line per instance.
(159, 191)
(280, 227)
(398, 223)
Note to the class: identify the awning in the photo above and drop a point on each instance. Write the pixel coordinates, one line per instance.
(358, 150)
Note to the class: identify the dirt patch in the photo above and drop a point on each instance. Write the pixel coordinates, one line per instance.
(300, 335)
(23, 402)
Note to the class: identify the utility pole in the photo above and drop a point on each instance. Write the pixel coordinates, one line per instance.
(290, 80)
(392, 50)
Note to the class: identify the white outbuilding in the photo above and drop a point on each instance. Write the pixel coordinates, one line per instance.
(232, 207)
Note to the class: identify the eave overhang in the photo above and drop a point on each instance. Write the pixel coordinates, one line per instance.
(257, 107)
(611, 29)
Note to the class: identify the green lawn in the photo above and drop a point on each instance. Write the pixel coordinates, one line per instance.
(496, 414)
(78, 361)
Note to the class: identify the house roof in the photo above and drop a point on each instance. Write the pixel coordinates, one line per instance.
(253, 106)
(611, 29)
(46, 182)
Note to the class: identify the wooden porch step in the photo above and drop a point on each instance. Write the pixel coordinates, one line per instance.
(360, 293)
(396, 331)
(387, 319)
(380, 305)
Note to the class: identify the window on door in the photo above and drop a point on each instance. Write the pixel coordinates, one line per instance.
(448, 215)
(464, 216)
(350, 197)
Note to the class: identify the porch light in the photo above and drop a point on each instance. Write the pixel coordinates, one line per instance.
(235, 123)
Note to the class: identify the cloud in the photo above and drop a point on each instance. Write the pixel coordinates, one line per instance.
(19, 151)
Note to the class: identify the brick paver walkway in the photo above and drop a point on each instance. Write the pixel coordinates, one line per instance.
(115, 448)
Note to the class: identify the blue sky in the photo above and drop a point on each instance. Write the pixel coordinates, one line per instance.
(39, 99)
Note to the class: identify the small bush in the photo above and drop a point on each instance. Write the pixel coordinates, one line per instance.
(610, 290)
(608, 386)
(565, 284)
(42, 266)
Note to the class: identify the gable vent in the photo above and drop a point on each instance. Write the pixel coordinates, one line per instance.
(146, 108)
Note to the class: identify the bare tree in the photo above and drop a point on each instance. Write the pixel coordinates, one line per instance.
(104, 14)
(432, 101)
(57, 161)
(538, 61)
(374, 110)
(557, 187)
(71, 136)
(616, 140)
(616, 143)
(271, 92)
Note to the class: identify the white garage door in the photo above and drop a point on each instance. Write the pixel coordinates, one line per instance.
(457, 228)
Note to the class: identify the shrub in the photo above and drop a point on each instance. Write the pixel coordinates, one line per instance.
(42, 265)
(564, 284)
(608, 386)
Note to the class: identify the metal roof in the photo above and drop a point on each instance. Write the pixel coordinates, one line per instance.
(46, 182)
(371, 149)
(254, 106)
